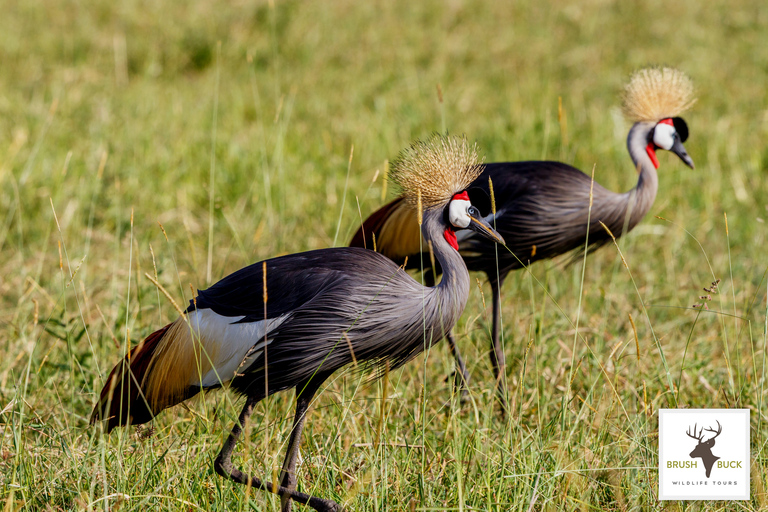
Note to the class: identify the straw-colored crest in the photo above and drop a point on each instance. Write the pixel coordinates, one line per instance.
(435, 169)
(657, 93)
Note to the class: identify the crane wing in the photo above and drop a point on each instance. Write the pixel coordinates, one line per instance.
(542, 212)
(234, 318)
(542, 209)
(223, 332)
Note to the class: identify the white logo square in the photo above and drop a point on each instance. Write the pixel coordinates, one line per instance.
(704, 454)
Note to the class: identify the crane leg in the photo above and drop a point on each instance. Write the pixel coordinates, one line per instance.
(498, 358)
(224, 467)
(305, 392)
(461, 381)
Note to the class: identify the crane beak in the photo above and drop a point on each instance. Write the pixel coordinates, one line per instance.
(483, 228)
(678, 149)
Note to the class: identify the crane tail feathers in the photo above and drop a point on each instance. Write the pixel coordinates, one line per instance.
(142, 384)
(373, 224)
(396, 230)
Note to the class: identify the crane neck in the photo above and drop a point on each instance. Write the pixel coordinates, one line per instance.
(640, 199)
(454, 285)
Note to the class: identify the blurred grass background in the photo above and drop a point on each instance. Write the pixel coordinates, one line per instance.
(229, 127)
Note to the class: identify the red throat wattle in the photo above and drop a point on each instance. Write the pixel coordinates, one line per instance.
(651, 150)
(651, 147)
(450, 237)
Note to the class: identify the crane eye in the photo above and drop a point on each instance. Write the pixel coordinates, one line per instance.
(472, 211)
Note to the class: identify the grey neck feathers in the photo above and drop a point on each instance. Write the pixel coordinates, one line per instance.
(454, 286)
(640, 199)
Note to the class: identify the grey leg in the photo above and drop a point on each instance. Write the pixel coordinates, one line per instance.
(224, 467)
(304, 394)
(461, 381)
(498, 359)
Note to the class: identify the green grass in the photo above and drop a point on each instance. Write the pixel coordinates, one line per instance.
(231, 126)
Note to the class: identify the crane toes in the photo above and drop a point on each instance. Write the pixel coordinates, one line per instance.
(323, 505)
(460, 384)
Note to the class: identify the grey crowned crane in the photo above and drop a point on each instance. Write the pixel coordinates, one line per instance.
(292, 321)
(542, 207)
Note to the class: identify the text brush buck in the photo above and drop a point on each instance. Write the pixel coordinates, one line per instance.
(324, 309)
(543, 208)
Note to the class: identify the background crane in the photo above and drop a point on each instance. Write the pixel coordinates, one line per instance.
(542, 208)
(290, 322)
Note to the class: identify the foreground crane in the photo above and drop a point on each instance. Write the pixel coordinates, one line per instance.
(290, 322)
(543, 207)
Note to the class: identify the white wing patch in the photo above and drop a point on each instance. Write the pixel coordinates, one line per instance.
(230, 346)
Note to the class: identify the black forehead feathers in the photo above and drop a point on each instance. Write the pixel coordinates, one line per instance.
(480, 200)
(681, 128)
(446, 213)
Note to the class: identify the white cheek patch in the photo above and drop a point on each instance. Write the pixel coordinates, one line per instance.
(664, 136)
(457, 213)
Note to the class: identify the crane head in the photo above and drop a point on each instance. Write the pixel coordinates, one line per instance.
(669, 134)
(461, 214)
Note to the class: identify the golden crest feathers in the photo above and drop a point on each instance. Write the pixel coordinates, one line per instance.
(657, 93)
(431, 171)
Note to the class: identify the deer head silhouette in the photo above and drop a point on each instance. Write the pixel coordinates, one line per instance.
(704, 449)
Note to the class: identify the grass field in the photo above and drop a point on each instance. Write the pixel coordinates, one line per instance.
(186, 140)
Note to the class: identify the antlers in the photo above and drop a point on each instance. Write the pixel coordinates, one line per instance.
(700, 435)
(719, 430)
